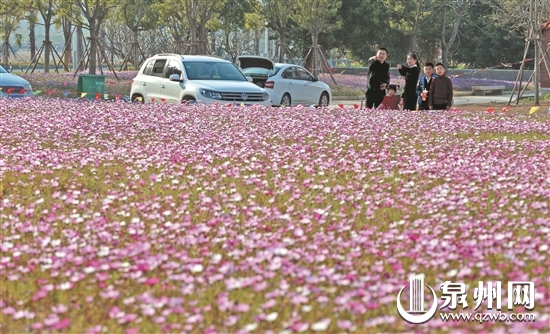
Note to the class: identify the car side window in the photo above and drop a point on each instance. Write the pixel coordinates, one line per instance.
(148, 69)
(158, 68)
(304, 75)
(289, 73)
(172, 68)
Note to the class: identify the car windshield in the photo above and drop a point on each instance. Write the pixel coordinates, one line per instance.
(204, 70)
(3, 70)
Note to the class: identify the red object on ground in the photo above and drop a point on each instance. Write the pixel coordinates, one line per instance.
(390, 102)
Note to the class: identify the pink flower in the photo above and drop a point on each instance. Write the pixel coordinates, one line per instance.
(241, 307)
(62, 324)
(152, 281)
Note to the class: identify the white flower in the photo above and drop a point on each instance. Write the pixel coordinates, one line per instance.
(197, 268)
(321, 326)
(271, 316)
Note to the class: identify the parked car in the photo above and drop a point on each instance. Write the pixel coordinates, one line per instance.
(173, 78)
(12, 85)
(287, 84)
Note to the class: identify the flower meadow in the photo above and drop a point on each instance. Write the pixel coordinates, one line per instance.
(64, 84)
(144, 218)
(349, 84)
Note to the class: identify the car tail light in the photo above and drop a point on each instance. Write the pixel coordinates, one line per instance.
(269, 84)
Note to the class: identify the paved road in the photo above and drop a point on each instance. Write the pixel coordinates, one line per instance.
(458, 100)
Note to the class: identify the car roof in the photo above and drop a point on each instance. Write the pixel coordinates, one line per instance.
(209, 58)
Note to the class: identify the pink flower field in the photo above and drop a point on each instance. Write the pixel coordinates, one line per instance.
(129, 218)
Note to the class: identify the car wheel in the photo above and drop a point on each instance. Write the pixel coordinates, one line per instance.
(324, 100)
(286, 100)
(188, 100)
(138, 98)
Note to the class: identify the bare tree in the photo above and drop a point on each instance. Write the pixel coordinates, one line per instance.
(453, 11)
(95, 12)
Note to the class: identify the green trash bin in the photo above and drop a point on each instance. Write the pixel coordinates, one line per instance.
(91, 85)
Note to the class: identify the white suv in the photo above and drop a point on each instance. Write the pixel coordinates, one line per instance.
(173, 78)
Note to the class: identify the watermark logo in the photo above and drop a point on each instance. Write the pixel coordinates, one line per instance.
(453, 295)
(416, 313)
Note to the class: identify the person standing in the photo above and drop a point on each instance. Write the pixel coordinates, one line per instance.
(441, 90)
(377, 79)
(423, 88)
(411, 73)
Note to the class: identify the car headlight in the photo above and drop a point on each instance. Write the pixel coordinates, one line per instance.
(265, 96)
(210, 94)
(28, 88)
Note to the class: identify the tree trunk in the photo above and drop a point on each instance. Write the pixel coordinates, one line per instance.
(257, 33)
(6, 49)
(136, 50)
(203, 39)
(47, 47)
(213, 41)
(456, 25)
(281, 47)
(443, 41)
(315, 62)
(32, 39)
(93, 48)
(68, 37)
(414, 42)
(80, 49)
(193, 33)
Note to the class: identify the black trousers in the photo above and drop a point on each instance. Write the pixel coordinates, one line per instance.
(440, 106)
(423, 106)
(409, 101)
(374, 98)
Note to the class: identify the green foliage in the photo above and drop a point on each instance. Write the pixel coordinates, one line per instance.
(485, 43)
(366, 25)
(139, 15)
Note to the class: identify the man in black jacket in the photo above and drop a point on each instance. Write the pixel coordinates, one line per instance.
(378, 78)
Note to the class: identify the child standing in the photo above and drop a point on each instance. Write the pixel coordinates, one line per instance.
(423, 88)
(441, 90)
(411, 74)
(391, 101)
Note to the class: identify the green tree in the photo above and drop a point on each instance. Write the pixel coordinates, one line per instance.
(94, 12)
(278, 14)
(47, 11)
(484, 43)
(314, 16)
(365, 25)
(8, 24)
(175, 22)
(139, 15)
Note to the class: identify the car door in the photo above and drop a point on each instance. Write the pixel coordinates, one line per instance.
(294, 85)
(170, 91)
(156, 78)
(310, 91)
(144, 83)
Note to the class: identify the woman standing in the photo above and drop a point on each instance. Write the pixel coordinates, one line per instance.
(411, 74)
